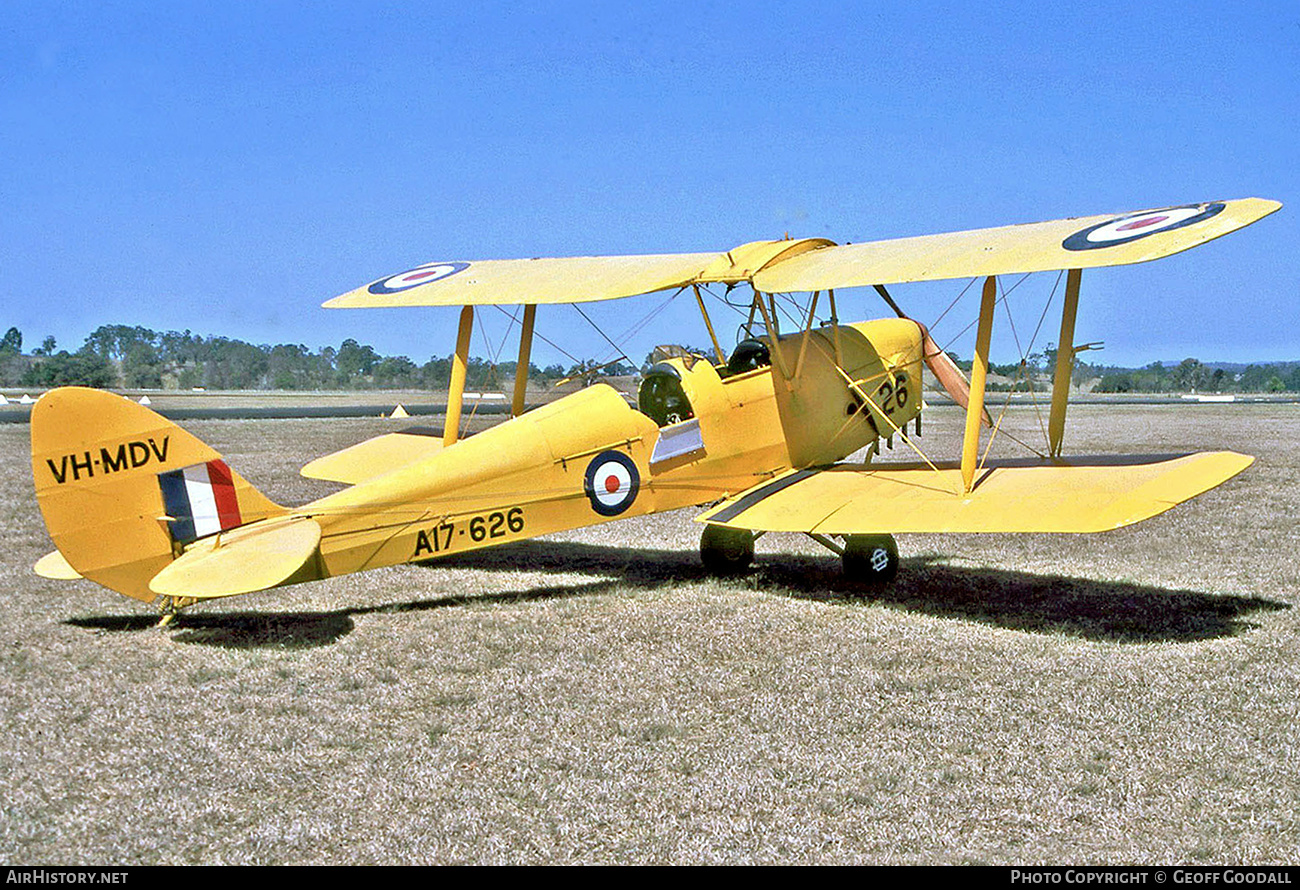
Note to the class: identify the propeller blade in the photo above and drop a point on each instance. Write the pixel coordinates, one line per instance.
(945, 370)
(941, 365)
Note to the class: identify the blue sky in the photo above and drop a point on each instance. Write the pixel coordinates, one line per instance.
(224, 168)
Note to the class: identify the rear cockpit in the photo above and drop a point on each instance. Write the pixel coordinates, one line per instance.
(670, 388)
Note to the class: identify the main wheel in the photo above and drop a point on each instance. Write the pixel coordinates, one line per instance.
(871, 559)
(726, 551)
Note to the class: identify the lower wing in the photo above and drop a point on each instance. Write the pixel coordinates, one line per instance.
(1081, 494)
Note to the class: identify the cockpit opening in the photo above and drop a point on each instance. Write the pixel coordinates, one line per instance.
(662, 398)
(749, 355)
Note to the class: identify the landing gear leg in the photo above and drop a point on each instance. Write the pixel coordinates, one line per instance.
(726, 551)
(171, 607)
(870, 559)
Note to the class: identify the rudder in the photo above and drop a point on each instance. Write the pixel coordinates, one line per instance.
(123, 490)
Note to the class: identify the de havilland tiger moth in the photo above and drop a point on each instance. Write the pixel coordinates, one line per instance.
(759, 437)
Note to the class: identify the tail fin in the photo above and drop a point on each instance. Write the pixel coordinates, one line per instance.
(123, 490)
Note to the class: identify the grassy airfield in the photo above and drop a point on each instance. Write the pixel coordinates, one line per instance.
(594, 697)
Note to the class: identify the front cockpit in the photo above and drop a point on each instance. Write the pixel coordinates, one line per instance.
(662, 397)
(749, 355)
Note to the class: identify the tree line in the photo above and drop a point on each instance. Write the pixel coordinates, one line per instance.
(135, 357)
(1189, 375)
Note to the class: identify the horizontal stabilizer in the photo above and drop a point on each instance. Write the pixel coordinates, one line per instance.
(1081, 494)
(254, 557)
(55, 567)
(376, 456)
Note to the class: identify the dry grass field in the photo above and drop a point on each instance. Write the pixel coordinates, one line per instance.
(594, 697)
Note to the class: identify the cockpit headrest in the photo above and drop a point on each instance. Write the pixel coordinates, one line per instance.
(748, 356)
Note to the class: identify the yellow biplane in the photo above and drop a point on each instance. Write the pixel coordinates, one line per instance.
(138, 505)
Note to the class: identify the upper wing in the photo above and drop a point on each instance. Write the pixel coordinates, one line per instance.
(1079, 495)
(544, 280)
(580, 279)
(810, 264)
(1077, 243)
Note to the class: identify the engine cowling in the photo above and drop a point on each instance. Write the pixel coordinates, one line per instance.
(830, 408)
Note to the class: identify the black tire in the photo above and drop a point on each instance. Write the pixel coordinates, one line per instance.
(871, 559)
(726, 551)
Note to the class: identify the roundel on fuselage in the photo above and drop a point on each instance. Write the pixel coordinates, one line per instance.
(611, 482)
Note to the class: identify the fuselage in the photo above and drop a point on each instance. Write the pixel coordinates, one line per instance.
(699, 433)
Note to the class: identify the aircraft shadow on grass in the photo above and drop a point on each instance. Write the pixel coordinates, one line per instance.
(1111, 611)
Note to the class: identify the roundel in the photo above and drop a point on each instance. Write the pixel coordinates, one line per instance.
(611, 483)
(416, 277)
(1133, 226)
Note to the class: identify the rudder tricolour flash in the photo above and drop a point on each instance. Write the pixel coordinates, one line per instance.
(200, 500)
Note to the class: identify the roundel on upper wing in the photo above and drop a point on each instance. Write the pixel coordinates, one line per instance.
(1133, 226)
(415, 277)
(611, 482)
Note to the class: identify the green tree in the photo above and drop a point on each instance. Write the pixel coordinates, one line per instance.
(141, 366)
(354, 360)
(396, 371)
(1116, 383)
(1049, 357)
(83, 368)
(436, 373)
(12, 342)
(1190, 374)
(113, 341)
(12, 362)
